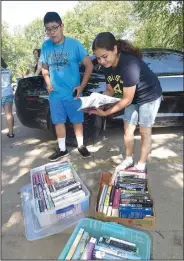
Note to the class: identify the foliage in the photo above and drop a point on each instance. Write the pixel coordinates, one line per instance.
(90, 18)
(152, 24)
(161, 24)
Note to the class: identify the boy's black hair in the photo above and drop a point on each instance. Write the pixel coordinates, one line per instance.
(52, 17)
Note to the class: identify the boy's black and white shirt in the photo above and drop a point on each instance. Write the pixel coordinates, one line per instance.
(132, 71)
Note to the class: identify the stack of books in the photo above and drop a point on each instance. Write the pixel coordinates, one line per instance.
(56, 186)
(129, 197)
(85, 247)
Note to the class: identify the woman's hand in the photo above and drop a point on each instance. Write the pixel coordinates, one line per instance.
(99, 112)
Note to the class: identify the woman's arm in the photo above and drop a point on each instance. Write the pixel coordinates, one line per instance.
(39, 68)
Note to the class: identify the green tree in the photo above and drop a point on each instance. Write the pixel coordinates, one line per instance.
(90, 18)
(161, 24)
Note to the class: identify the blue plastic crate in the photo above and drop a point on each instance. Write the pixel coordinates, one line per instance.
(98, 228)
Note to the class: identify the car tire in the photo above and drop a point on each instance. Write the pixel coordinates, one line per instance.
(92, 127)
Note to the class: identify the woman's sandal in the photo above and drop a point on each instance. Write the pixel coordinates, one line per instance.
(10, 135)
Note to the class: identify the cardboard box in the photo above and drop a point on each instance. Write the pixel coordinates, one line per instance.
(148, 222)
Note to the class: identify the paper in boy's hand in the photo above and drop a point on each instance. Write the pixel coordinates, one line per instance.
(97, 100)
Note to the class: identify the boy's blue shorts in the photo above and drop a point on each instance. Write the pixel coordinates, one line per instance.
(61, 109)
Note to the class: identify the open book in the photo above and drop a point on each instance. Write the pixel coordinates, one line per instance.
(97, 100)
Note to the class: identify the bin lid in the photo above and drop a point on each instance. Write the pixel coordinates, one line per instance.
(33, 230)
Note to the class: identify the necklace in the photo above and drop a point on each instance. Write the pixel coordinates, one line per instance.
(58, 58)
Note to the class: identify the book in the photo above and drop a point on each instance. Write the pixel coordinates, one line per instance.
(115, 204)
(68, 194)
(102, 198)
(88, 251)
(116, 200)
(72, 199)
(66, 189)
(56, 165)
(121, 253)
(81, 246)
(135, 212)
(75, 244)
(119, 243)
(101, 255)
(138, 173)
(107, 198)
(97, 100)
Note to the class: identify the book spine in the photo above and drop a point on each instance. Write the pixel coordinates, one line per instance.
(107, 198)
(121, 244)
(64, 196)
(65, 183)
(75, 244)
(135, 213)
(65, 190)
(101, 255)
(88, 251)
(123, 254)
(136, 204)
(81, 246)
(116, 200)
(75, 197)
(103, 198)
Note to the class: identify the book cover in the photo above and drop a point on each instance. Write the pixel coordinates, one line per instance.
(75, 244)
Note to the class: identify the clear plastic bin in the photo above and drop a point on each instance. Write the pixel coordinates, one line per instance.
(99, 229)
(50, 217)
(33, 230)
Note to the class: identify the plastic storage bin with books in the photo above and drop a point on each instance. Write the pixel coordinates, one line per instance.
(57, 191)
(128, 201)
(93, 239)
(55, 199)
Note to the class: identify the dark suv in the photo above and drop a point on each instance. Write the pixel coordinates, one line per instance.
(32, 105)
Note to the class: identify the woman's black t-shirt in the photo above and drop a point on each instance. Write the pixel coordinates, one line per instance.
(132, 71)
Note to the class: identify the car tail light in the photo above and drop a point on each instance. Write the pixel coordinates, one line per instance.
(32, 99)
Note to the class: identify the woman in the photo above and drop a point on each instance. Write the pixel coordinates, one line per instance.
(7, 96)
(127, 74)
(38, 66)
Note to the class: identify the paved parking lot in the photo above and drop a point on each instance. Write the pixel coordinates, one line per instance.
(30, 148)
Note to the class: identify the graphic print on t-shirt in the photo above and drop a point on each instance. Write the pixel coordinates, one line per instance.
(57, 60)
(117, 84)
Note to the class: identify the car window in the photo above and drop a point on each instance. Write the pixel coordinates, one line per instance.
(164, 63)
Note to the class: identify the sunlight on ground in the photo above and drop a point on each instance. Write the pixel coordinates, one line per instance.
(163, 153)
(15, 218)
(27, 142)
(6, 130)
(11, 161)
(178, 178)
(22, 172)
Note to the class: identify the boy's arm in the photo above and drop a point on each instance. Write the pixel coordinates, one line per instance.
(46, 76)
